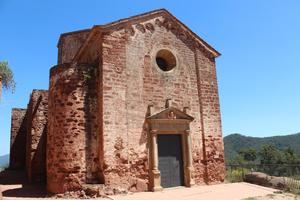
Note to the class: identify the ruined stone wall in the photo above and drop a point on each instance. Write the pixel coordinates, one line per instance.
(18, 139)
(69, 44)
(211, 118)
(132, 81)
(72, 140)
(37, 117)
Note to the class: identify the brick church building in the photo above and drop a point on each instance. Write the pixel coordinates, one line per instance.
(132, 104)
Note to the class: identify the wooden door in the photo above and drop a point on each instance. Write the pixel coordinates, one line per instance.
(170, 161)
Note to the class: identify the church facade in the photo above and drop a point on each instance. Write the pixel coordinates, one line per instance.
(132, 104)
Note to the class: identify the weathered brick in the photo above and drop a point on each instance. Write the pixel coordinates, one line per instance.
(69, 44)
(37, 116)
(72, 140)
(18, 139)
(107, 82)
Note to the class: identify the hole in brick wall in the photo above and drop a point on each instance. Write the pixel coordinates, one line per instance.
(165, 60)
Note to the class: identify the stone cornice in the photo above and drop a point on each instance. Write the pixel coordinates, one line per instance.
(170, 22)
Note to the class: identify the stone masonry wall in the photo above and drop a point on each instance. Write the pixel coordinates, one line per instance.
(18, 139)
(211, 119)
(69, 44)
(132, 81)
(72, 141)
(36, 136)
(97, 131)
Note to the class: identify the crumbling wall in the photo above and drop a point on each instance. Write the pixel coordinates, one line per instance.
(36, 136)
(132, 81)
(72, 140)
(97, 129)
(18, 138)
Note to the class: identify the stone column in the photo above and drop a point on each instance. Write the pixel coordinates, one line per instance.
(154, 172)
(189, 161)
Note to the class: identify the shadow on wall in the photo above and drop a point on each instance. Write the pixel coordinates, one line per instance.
(17, 149)
(39, 159)
(21, 186)
(94, 173)
(36, 137)
(144, 135)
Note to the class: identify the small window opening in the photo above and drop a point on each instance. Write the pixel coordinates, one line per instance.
(165, 60)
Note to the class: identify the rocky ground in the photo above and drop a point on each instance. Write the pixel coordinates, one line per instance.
(283, 196)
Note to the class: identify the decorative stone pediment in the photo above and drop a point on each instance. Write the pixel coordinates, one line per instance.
(170, 121)
(171, 113)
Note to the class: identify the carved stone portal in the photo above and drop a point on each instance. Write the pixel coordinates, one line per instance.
(169, 121)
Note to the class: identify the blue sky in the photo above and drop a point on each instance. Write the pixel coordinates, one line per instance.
(258, 71)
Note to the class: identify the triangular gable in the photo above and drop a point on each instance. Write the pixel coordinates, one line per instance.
(171, 113)
(96, 30)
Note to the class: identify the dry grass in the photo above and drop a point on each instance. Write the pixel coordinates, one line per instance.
(293, 186)
(236, 175)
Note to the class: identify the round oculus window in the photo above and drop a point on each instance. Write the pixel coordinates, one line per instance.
(165, 60)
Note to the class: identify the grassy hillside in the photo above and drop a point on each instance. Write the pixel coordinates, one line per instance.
(234, 142)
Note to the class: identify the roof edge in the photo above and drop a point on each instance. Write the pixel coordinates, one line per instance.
(99, 28)
(194, 34)
(165, 11)
(71, 33)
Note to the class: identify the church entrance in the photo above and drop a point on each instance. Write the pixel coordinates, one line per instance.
(170, 148)
(170, 163)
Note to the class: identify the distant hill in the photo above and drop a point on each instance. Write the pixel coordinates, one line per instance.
(234, 142)
(4, 160)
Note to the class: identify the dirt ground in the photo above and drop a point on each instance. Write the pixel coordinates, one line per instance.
(230, 191)
(274, 196)
(15, 187)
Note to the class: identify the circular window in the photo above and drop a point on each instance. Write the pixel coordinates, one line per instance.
(165, 60)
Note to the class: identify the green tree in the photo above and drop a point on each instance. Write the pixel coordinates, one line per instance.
(237, 160)
(270, 157)
(290, 156)
(269, 154)
(248, 154)
(6, 78)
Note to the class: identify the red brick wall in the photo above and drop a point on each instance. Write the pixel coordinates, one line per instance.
(96, 128)
(72, 140)
(18, 139)
(69, 44)
(210, 109)
(132, 81)
(36, 136)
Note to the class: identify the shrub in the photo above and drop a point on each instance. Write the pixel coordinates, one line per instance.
(236, 175)
(7, 77)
